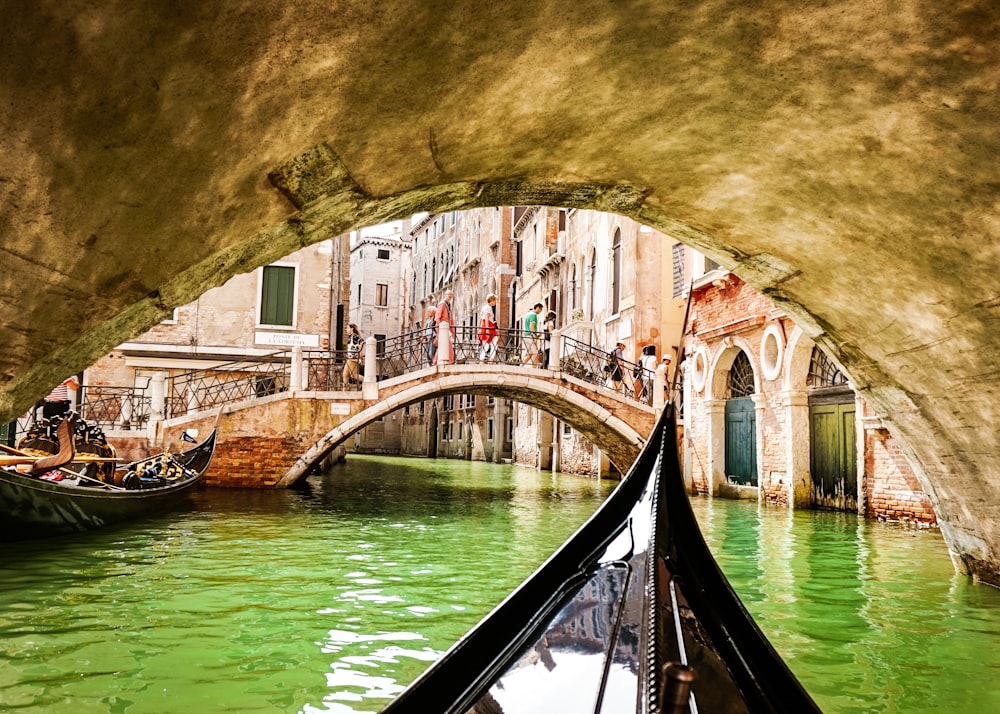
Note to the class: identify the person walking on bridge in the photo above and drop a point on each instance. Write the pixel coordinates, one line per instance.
(352, 368)
(488, 335)
(430, 335)
(532, 335)
(548, 327)
(444, 314)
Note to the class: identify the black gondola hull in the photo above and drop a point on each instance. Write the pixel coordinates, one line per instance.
(37, 508)
(594, 629)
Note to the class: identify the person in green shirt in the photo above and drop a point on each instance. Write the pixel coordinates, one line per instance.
(532, 335)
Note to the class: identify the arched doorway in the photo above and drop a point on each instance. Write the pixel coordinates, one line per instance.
(833, 451)
(741, 423)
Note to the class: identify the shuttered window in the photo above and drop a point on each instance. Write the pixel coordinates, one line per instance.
(277, 295)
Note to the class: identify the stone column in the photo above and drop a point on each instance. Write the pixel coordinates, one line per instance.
(716, 412)
(158, 404)
(369, 386)
(555, 351)
(295, 378)
(759, 404)
(444, 343)
(659, 389)
(797, 445)
(861, 426)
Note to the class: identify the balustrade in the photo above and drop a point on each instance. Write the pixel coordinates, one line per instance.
(165, 397)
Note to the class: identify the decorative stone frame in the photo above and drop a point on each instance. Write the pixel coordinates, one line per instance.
(772, 352)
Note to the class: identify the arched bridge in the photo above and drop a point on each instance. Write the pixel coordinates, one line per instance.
(282, 417)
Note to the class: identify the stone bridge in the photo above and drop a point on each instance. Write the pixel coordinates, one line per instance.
(838, 156)
(278, 439)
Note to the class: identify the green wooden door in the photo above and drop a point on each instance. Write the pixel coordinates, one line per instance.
(741, 441)
(833, 456)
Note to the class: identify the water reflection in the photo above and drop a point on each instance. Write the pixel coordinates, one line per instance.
(871, 617)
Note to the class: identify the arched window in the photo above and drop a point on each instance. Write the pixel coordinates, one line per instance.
(592, 286)
(572, 288)
(616, 274)
(823, 372)
(741, 377)
(434, 274)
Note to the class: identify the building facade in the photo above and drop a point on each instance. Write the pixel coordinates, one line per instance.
(770, 416)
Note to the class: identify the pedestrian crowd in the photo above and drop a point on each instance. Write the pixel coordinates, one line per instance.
(534, 339)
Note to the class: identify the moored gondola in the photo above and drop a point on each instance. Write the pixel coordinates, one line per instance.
(88, 490)
(632, 614)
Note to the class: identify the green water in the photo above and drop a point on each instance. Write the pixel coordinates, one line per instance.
(333, 598)
(871, 617)
(330, 599)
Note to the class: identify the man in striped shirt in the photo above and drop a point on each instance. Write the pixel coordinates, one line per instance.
(58, 401)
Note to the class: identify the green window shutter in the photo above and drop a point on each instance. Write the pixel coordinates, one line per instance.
(277, 295)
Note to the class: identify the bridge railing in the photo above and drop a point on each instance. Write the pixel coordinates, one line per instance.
(328, 371)
(227, 383)
(592, 364)
(404, 353)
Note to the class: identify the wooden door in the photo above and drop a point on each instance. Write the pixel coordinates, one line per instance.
(833, 456)
(741, 441)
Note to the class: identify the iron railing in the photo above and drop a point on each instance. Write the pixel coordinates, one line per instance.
(111, 407)
(592, 364)
(331, 370)
(227, 383)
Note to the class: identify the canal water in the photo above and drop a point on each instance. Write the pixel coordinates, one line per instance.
(332, 598)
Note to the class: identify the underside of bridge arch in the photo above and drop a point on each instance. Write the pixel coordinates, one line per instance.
(618, 426)
(840, 156)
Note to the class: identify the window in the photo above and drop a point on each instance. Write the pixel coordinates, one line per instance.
(383, 254)
(741, 382)
(172, 320)
(678, 276)
(823, 372)
(277, 295)
(592, 284)
(616, 275)
(382, 294)
(489, 428)
(567, 429)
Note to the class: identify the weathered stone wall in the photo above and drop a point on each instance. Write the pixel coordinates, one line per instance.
(733, 315)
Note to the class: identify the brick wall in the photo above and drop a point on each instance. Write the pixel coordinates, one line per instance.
(891, 488)
(737, 315)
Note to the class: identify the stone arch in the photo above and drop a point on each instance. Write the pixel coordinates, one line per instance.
(595, 422)
(725, 353)
(798, 354)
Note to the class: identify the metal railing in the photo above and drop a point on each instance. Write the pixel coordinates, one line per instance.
(228, 383)
(331, 371)
(594, 365)
(121, 407)
(334, 370)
